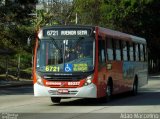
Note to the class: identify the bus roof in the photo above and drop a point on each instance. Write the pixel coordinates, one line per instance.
(120, 35)
(138, 39)
(68, 26)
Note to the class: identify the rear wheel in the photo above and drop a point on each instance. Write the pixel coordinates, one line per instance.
(55, 99)
(135, 87)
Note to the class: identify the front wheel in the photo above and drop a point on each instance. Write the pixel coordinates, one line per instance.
(55, 99)
(108, 95)
(109, 91)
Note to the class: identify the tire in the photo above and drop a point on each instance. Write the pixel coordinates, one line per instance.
(108, 95)
(109, 90)
(55, 99)
(135, 87)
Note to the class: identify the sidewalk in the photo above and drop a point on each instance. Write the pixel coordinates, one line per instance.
(21, 82)
(155, 76)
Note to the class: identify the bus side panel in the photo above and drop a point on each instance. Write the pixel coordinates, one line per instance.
(95, 81)
(116, 74)
(132, 69)
(122, 74)
(143, 74)
(102, 82)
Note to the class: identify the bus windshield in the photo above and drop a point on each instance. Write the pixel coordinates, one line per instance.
(66, 55)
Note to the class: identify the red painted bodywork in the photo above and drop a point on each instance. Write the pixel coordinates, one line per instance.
(116, 73)
(101, 75)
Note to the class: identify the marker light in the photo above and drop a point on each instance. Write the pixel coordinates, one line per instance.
(89, 81)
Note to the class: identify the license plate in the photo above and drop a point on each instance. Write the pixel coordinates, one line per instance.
(63, 91)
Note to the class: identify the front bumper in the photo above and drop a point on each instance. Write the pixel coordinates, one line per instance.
(89, 91)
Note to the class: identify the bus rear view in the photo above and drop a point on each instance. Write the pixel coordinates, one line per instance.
(64, 63)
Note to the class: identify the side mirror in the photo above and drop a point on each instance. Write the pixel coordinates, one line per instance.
(29, 41)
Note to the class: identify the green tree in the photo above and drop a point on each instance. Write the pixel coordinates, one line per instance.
(14, 21)
(89, 11)
(137, 17)
(61, 13)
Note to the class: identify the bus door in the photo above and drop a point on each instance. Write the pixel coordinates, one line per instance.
(114, 63)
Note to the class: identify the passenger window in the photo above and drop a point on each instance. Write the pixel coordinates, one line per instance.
(124, 51)
(142, 52)
(114, 49)
(118, 50)
(145, 52)
(109, 49)
(128, 51)
(101, 52)
(136, 52)
(120, 43)
(131, 52)
(139, 53)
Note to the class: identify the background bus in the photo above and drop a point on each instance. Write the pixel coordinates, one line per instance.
(87, 62)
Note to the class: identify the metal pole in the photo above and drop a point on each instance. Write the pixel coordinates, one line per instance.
(76, 19)
(6, 67)
(18, 68)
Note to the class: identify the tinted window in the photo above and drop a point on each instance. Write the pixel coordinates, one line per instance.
(142, 52)
(101, 47)
(124, 50)
(118, 50)
(131, 52)
(145, 52)
(137, 52)
(109, 49)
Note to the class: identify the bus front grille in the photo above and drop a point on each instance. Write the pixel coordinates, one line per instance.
(59, 78)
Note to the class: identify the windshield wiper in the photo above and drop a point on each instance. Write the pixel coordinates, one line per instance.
(76, 43)
(55, 44)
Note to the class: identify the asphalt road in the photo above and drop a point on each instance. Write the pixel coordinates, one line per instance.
(19, 103)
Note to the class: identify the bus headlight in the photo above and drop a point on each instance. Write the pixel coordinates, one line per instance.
(88, 80)
(39, 79)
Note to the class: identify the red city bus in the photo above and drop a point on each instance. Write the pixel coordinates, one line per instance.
(87, 62)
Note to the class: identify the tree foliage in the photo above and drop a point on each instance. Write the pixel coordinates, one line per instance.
(57, 13)
(15, 24)
(137, 17)
(89, 11)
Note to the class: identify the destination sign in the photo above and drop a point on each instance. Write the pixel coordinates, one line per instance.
(74, 32)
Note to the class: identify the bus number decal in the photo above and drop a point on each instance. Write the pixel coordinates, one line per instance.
(73, 83)
(52, 68)
(52, 33)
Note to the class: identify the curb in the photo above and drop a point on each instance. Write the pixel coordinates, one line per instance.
(15, 84)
